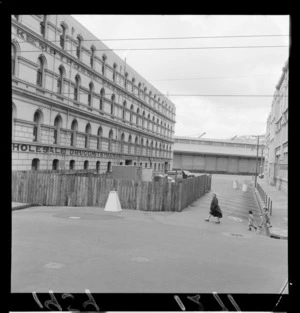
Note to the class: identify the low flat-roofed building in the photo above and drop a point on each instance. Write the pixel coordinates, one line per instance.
(217, 155)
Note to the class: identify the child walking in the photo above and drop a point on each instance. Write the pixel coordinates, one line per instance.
(251, 222)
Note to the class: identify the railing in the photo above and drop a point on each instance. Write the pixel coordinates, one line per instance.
(267, 200)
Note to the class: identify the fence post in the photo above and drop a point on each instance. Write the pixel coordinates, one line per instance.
(271, 209)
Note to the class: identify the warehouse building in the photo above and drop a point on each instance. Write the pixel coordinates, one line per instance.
(203, 155)
(77, 105)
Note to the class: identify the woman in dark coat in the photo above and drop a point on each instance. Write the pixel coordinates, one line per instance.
(214, 209)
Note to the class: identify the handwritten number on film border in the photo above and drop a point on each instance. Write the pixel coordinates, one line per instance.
(54, 302)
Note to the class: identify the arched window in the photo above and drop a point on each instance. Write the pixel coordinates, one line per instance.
(43, 26)
(102, 95)
(37, 119)
(124, 110)
(125, 80)
(87, 136)
(145, 90)
(98, 166)
(131, 113)
(110, 138)
(156, 149)
(142, 146)
(76, 88)
(99, 139)
(143, 120)
(72, 165)
(60, 81)
(136, 142)
(63, 36)
(35, 164)
(92, 60)
(104, 57)
(55, 165)
(147, 147)
(129, 144)
(109, 167)
(139, 89)
(154, 166)
(40, 72)
(57, 126)
(74, 127)
(90, 95)
(137, 116)
(112, 107)
(78, 49)
(149, 120)
(13, 59)
(151, 148)
(133, 80)
(122, 142)
(86, 165)
(114, 72)
(153, 123)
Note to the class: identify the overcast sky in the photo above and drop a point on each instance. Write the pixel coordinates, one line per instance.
(191, 72)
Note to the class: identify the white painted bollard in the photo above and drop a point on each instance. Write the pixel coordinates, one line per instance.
(244, 187)
(113, 202)
(235, 184)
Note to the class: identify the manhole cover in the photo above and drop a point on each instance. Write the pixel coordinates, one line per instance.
(140, 259)
(237, 219)
(54, 265)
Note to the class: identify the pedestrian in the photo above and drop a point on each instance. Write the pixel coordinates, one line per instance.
(215, 209)
(251, 222)
(265, 218)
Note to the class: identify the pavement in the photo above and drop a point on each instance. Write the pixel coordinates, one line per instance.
(279, 217)
(70, 249)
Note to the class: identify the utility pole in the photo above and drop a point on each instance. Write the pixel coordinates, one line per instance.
(256, 160)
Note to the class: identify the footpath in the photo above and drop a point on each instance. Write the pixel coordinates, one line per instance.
(279, 212)
(19, 206)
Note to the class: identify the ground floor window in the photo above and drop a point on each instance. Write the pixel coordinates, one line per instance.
(35, 164)
(146, 164)
(154, 166)
(109, 167)
(55, 164)
(72, 165)
(86, 165)
(98, 166)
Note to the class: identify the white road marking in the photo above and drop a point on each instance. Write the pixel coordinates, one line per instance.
(74, 217)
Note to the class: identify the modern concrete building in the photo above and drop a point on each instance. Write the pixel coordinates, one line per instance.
(217, 156)
(77, 105)
(276, 165)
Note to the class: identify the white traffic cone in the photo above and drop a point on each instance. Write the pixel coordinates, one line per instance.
(113, 202)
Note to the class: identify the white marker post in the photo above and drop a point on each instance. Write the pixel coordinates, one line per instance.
(113, 202)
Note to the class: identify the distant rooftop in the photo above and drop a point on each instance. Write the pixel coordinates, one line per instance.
(247, 139)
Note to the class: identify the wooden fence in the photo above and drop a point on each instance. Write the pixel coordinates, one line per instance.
(91, 190)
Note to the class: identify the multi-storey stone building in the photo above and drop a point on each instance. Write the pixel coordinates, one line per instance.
(276, 165)
(77, 105)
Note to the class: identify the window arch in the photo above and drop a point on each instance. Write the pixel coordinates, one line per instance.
(131, 112)
(13, 59)
(64, 28)
(41, 71)
(110, 138)
(136, 143)
(122, 142)
(57, 126)
(137, 116)
(35, 164)
(87, 135)
(79, 46)
(74, 127)
(77, 87)
(99, 139)
(37, 119)
(129, 144)
(112, 107)
(60, 81)
(102, 95)
(124, 110)
(114, 72)
(104, 58)
(90, 95)
(92, 59)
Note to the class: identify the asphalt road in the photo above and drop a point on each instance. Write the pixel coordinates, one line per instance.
(70, 249)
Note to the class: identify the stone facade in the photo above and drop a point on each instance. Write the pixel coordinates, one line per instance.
(276, 165)
(74, 99)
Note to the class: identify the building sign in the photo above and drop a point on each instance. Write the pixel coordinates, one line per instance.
(21, 147)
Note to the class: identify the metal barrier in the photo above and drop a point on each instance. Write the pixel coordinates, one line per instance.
(267, 200)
